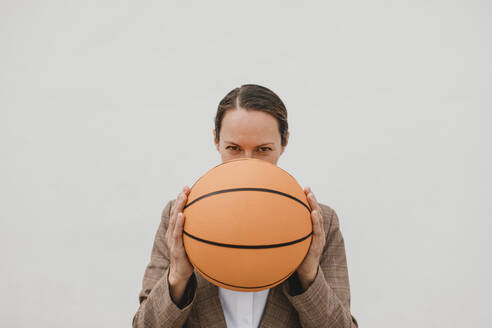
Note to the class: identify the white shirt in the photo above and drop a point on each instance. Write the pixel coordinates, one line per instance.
(242, 309)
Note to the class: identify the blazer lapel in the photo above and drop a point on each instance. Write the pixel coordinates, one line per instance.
(275, 310)
(209, 309)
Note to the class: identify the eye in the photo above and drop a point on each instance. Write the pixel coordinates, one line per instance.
(232, 147)
(265, 149)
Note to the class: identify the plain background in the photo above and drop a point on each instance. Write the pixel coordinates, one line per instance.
(107, 110)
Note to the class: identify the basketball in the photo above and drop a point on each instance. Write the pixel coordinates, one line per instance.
(247, 225)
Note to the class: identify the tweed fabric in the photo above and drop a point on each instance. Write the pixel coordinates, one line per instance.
(326, 302)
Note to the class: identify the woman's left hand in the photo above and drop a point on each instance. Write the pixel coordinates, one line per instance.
(308, 269)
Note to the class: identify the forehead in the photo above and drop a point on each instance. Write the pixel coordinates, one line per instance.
(249, 126)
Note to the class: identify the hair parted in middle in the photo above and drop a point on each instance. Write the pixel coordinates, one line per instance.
(254, 97)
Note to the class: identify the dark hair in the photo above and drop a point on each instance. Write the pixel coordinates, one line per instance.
(254, 97)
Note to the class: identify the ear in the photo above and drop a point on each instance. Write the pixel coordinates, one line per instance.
(286, 142)
(215, 140)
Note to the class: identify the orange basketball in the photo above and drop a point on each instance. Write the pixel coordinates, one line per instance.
(248, 225)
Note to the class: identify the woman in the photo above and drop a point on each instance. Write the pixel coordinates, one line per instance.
(251, 121)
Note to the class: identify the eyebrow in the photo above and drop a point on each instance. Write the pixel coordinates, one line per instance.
(264, 144)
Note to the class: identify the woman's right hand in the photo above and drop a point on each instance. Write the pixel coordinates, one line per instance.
(180, 268)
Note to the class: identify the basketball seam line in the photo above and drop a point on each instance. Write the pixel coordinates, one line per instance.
(248, 189)
(243, 287)
(248, 246)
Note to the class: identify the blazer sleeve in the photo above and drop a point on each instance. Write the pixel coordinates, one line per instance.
(326, 302)
(157, 309)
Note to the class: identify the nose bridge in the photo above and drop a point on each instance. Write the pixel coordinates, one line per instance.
(248, 154)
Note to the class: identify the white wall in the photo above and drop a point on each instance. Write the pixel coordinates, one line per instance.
(106, 111)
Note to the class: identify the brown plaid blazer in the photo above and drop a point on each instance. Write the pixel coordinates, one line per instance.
(326, 303)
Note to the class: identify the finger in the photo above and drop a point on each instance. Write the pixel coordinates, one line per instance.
(315, 222)
(178, 233)
(176, 205)
(318, 232)
(178, 230)
(181, 202)
(170, 228)
(308, 192)
(317, 219)
(185, 190)
(313, 201)
(173, 208)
